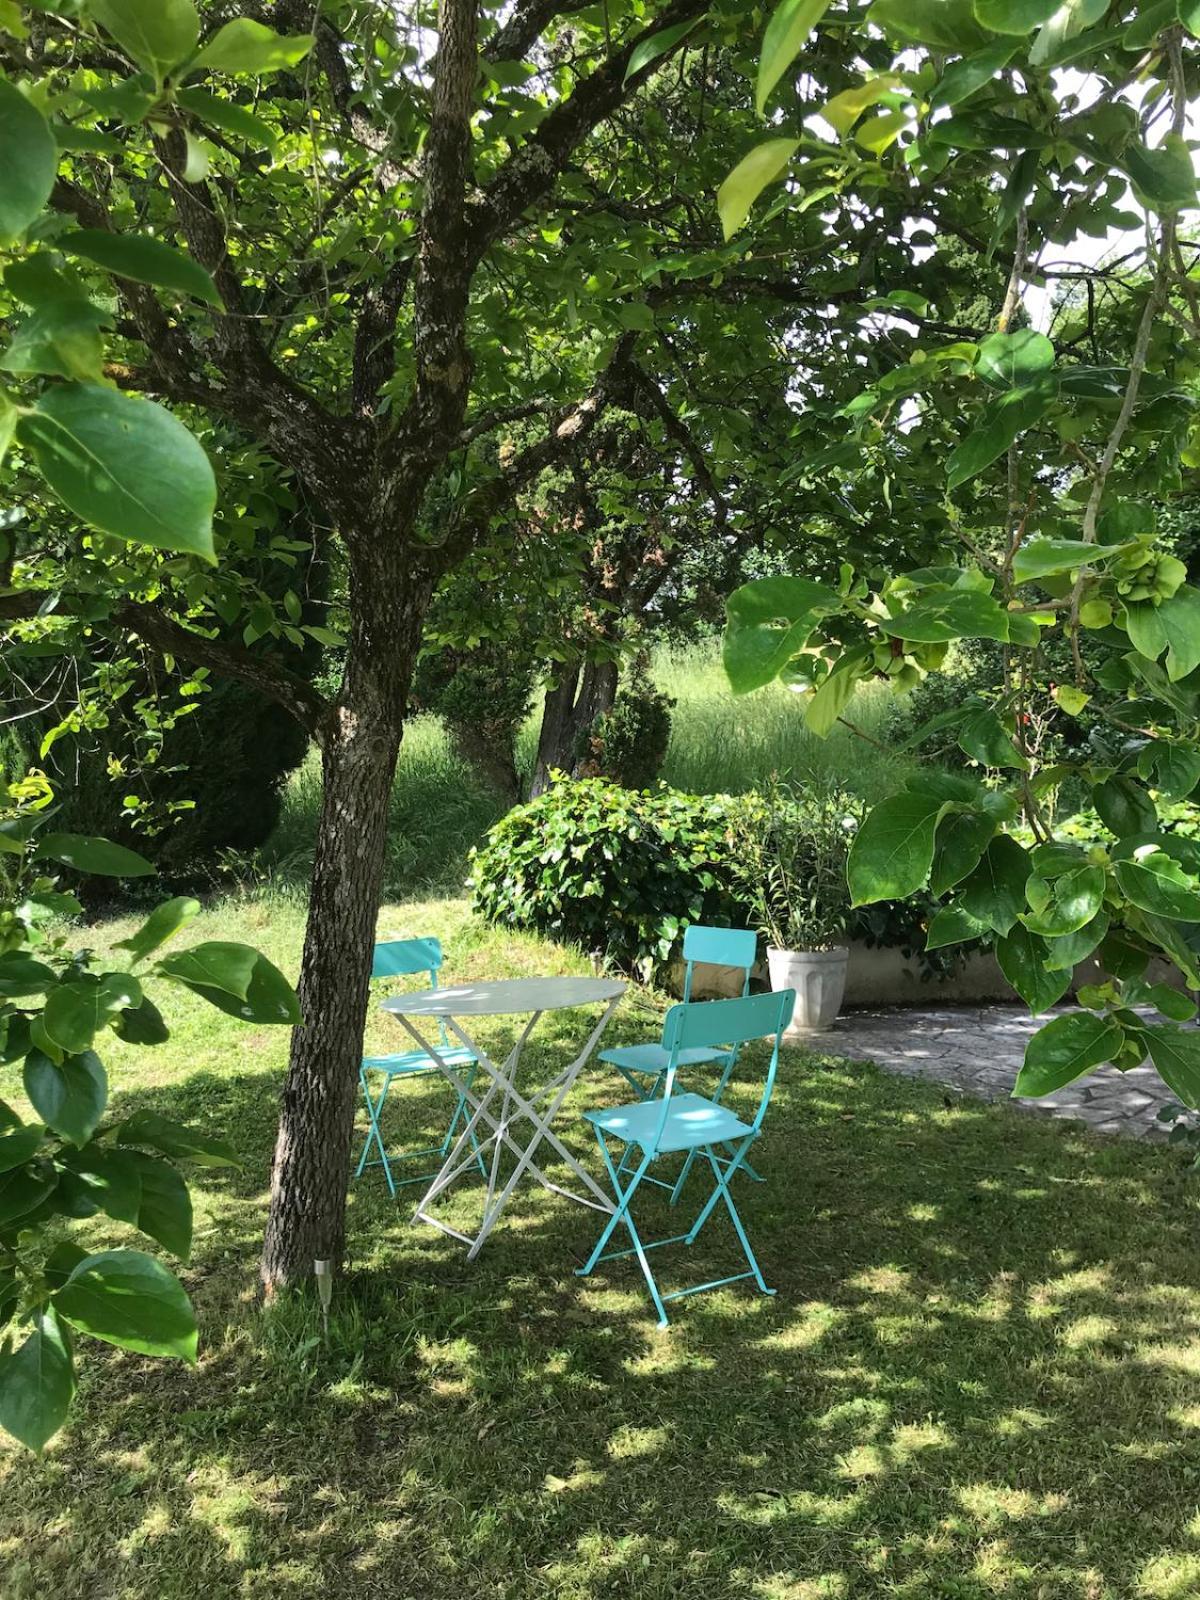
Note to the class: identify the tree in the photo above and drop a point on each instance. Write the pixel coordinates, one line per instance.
(1048, 458)
(374, 261)
(339, 302)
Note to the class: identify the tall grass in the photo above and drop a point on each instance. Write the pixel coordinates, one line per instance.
(719, 745)
(723, 745)
(439, 809)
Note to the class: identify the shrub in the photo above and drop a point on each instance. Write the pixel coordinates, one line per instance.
(628, 742)
(612, 869)
(790, 871)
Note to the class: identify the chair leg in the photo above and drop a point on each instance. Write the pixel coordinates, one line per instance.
(643, 1093)
(374, 1135)
(721, 1192)
(622, 1216)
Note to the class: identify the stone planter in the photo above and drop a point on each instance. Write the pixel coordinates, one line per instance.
(819, 979)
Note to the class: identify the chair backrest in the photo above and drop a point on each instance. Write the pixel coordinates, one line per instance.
(731, 1023)
(718, 947)
(397, 958)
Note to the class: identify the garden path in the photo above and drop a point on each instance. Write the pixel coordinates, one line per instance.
(977, 1050)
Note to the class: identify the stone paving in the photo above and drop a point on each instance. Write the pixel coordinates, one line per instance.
(977, 1050)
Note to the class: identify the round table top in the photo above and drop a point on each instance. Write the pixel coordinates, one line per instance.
(505, 996)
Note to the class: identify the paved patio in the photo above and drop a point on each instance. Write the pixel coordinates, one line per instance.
(977, 1050)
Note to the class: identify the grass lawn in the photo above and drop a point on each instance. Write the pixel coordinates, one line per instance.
(980, 1377)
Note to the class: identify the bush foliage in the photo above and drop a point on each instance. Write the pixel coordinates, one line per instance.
(611, 869)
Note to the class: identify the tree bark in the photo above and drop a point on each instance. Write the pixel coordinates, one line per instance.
(571, 706)
(307, 1217)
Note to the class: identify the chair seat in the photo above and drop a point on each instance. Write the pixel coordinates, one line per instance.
(654, 1060)
(419, 1061)
(692, 1121)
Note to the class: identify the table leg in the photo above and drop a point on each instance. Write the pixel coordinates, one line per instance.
(503, 1083)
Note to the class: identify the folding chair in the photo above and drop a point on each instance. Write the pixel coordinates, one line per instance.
(679, 1122)
(644, 1066)
(395, 958)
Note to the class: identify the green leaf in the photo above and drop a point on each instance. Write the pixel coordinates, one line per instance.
(230, 117)
(1172, 769)
(963, 78)
(1004, 418)
(87, 853)
(142, 1024)
(836, 691)
(22, 1191)
(1163, 179)
(994, 893)
(28, 160)
(893, 850)
(1189, 14)
(144, 259)
(1044, 558)
(1014, 16)
(843, 110)
(165, 1208)
(952, 925)
(216, 964)
(157, 34)
(1022, 959)
(124, 465)
(985, 739)
(1150, 20)
(876, 134)
(61, 339)
(163, 923)
(100, 1179)
(270, 998)
(17, 1144)
(37, 1383)
(791, 23)
(69, 1098)
(1171, 1002)
(22, 975)
(1013, 359)
(941, 616)
(1156, 884)
(962, 837)
(658, 44)
(1175, 1053)
(246, 47)
(1070, 19)
(765, 163)
(1173, 626)
(945, 25)
(1124, 807)
(128, 1299)
(1064, 1050)
(1067, 950)
(173, 1139)
(1067, 903)
(768, 622)
(72, 1015)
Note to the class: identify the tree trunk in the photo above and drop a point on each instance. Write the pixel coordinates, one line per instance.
(571, 706)
(361, 743)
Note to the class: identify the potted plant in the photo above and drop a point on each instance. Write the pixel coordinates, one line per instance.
(792, 880)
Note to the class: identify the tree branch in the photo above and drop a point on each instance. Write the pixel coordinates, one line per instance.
(168, 637)
(531, 171)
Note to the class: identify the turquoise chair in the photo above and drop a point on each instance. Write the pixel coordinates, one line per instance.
(644, 1066)
(675, 1123)
(395, 958)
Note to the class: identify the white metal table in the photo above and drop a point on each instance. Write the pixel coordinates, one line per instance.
(501, 1106)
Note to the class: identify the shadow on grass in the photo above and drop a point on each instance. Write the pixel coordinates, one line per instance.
(979, 1378)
